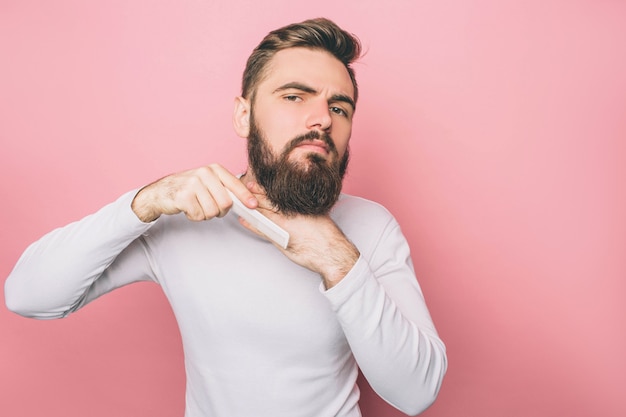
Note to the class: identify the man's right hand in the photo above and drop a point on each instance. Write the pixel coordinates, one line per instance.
(199, 193)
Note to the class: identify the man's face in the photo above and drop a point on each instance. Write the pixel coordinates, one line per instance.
(300, 126)
(309, 186)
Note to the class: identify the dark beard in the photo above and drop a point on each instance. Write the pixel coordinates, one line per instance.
(309, 187)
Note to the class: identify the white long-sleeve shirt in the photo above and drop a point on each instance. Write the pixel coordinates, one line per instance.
(261, 335)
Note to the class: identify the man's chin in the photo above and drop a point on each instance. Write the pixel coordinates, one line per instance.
(304, 165)
(309, 189)
(306, 160)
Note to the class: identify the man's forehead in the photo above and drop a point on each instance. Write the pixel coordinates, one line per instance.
(315, 68)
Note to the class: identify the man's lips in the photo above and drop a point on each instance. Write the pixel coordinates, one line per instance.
(314, 145)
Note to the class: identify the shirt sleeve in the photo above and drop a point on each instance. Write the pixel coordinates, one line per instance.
(75, 264)
(383, 314)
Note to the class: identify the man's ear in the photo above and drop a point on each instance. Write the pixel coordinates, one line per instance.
(241, 117)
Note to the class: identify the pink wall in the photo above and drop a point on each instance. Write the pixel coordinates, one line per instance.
(494, 130)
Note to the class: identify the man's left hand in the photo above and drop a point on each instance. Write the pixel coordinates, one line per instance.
(315, 242)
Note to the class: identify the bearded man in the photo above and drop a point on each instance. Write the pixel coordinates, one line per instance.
(267, 330)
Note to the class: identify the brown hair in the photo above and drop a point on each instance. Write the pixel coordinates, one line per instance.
(319, 33)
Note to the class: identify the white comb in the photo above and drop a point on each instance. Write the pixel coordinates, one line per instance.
(260, 222)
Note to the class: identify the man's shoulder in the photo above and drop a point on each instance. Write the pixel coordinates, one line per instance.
(364, 222)
(355, 206)
(357, 201)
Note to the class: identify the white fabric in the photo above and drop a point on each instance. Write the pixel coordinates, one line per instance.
(261, 335)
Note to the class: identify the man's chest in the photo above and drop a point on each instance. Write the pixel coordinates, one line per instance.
(240, 289)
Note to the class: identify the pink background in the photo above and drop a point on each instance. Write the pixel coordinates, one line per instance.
(495, 131)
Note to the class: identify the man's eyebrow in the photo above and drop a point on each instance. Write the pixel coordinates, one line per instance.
(343, 98)
(296, 86)
(307, 89)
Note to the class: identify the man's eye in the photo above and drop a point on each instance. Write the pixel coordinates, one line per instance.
(338, 110)
(292, 98)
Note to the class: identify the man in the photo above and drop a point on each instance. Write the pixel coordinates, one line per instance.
(267, 330)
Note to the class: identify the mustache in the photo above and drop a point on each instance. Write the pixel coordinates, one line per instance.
(314, 134)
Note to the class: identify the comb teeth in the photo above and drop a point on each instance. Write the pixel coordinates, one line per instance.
(264, 225)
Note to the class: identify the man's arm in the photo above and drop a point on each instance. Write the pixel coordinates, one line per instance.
(383, 314)
(377, 299)
(57, 274)
(73, 265)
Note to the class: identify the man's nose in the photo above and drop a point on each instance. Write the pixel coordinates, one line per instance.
(319, 116)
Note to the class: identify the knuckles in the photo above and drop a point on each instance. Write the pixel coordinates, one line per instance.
(190, 192)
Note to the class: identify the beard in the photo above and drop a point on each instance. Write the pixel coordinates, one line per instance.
(309, 187)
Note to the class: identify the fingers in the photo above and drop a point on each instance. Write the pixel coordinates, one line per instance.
(199, 193)
(195, 200)
(264, 204)
(233, 183)
(212, 199)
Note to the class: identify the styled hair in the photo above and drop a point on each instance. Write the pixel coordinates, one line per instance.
(320, 33)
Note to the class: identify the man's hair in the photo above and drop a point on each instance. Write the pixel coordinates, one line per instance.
(319, 33)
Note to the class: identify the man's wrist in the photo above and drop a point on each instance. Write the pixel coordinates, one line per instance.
(343, 262)
(142, 209)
